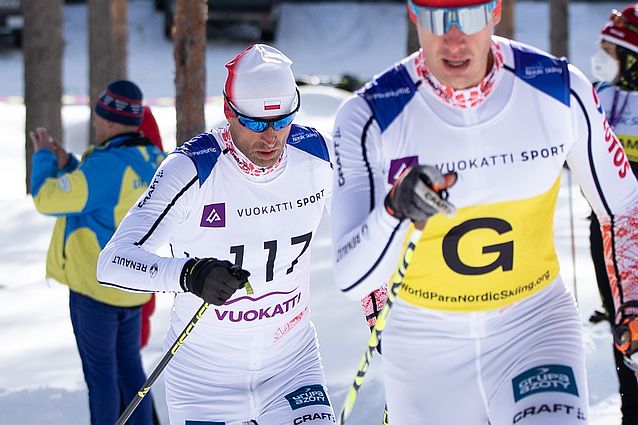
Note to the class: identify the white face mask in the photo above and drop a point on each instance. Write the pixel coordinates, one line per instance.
(604, 67)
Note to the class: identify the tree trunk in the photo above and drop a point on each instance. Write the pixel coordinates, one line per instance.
(119, 13)
(559, 27)
(43, 45)
(108, 38)
(413, 36)
(190, 67)
(506, 27)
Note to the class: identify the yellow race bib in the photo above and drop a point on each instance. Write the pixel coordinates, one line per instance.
(487, 256)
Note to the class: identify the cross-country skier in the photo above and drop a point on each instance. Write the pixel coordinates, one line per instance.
(615, 66)
(483, 330)
(246, 198)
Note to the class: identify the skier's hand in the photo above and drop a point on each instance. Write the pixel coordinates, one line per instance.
(626, 339)
(213, 280)
(420, 193)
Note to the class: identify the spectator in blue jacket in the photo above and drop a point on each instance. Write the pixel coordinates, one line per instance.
(90, 198)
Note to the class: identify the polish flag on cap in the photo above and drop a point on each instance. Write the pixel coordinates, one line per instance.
(260, 82)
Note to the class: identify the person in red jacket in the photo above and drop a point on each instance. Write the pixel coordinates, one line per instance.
(150, 129)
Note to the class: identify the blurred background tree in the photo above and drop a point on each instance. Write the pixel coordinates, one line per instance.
(189, 50)
(108, 51)
(559, 27)
(43, 46)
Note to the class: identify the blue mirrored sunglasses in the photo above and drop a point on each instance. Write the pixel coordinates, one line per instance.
(468, 19)
(259, 125)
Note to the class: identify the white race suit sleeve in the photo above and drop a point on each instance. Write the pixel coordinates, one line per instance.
(367, 240)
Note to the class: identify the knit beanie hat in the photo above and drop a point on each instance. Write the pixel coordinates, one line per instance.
(622, 28)
(260, 82)
(121, 103)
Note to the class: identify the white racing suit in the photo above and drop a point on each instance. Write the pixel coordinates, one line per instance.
(255, 359)
(483, 330)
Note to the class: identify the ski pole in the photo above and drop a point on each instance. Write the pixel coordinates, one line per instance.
(160, 367)
(375, 336)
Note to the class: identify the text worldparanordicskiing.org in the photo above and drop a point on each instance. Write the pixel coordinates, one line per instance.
(472, 298)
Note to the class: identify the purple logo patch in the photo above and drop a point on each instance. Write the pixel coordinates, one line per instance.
(398, 166)
(214, 215)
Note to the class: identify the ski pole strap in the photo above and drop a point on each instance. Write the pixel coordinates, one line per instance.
(375, 336)
(146, 387)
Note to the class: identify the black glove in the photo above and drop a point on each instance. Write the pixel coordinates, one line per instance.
(626, 335)
(213, 280)
(420, 193)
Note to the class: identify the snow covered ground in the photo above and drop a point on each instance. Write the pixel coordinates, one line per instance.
(40, 375)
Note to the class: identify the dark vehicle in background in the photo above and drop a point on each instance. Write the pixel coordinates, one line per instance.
(11, 21)
(224, 13)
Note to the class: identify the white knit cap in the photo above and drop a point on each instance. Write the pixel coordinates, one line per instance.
(260, 82)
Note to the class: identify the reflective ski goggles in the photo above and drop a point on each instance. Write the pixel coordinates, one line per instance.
(259, 125)
(468, 19)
